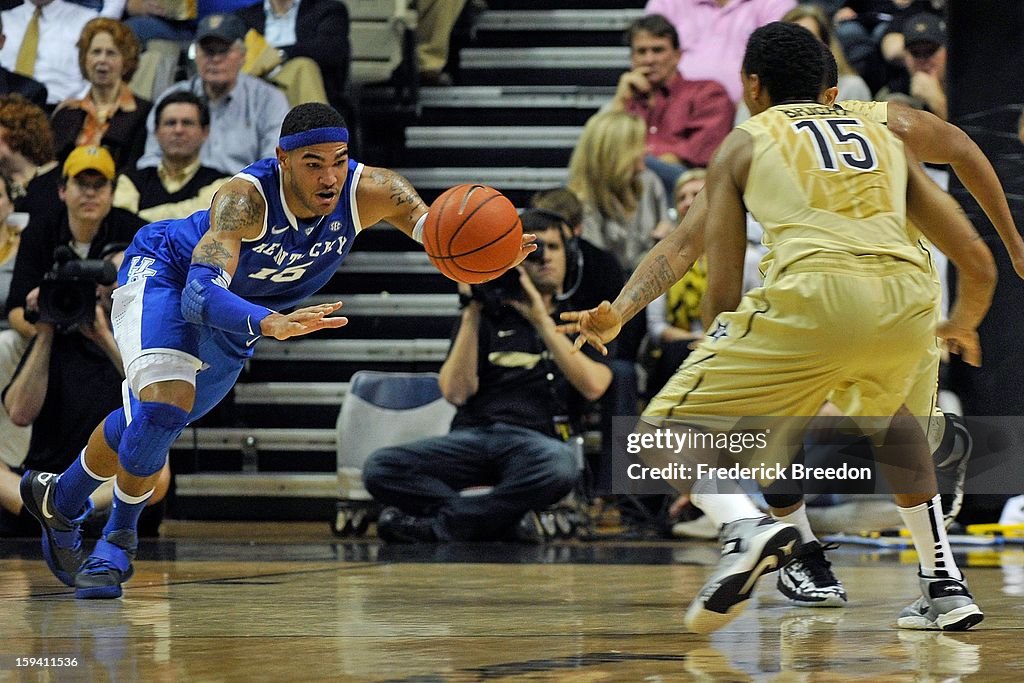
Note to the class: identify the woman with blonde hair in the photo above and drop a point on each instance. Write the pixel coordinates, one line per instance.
(109, 115)
(624, 204)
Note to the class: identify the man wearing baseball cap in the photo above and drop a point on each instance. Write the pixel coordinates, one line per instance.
(923, 86)
(245, 112)
(87, 224)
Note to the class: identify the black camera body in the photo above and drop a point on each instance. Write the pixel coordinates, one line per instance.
(506, 287)
(67, 294)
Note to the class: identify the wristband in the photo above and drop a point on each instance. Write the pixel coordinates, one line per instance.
(417, 230)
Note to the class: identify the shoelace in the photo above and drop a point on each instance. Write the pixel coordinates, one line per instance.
(97, 566)
(819, 567)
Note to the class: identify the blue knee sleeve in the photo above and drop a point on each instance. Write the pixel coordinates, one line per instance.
(148, 438)
(113, 428)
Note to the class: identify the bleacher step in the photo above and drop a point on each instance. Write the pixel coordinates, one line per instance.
(257, 485)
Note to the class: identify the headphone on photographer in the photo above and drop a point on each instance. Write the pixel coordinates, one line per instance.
(571, 243)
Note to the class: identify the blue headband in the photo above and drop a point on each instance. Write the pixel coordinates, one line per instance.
(315, 136)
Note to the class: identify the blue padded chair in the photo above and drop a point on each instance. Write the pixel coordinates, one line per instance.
(381, 409)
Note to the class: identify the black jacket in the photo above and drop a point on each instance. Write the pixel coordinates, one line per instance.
(32, 90)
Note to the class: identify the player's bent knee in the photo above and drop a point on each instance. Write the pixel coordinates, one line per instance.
(149, 436)
(153, 367)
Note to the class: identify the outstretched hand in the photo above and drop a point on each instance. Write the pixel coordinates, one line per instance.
(528, 247)
(302, 321)
(962, 341)
(596, 326)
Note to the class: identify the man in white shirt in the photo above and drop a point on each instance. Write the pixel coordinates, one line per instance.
(56, 63)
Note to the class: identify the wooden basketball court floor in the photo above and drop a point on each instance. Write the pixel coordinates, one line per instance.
(292, 603)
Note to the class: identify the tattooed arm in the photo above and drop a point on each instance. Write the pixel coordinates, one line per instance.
(236, 214)
(660, 269)
(383, 195)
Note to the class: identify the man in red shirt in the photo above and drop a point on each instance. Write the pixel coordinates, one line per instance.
(686, 120)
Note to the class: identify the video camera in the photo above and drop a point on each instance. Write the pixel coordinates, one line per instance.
(505, 287)
(67, 294)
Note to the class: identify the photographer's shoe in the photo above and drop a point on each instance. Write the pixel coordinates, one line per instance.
(945, 604)
(62, 537)
(108, 567)
(750, 548)
(394, 526)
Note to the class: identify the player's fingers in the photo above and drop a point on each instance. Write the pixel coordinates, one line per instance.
(578, 342)
(571, 315)
(334, 322)
(971, 354)
(567, 328)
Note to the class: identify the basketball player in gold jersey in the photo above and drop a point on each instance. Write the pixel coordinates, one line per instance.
(848, 301)
(808, 580)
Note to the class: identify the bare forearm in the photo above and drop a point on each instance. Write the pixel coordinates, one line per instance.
(588, 377)
(976, 173)
(458, 377)
(24, 398)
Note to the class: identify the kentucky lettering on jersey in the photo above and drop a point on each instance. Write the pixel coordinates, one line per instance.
(287, 262)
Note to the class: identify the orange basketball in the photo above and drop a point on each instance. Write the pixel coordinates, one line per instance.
(472, 233)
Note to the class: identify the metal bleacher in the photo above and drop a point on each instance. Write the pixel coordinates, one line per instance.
(528, 76)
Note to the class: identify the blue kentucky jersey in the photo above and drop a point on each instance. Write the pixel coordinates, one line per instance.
(286, 264)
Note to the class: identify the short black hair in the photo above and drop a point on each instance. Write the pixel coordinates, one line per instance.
(310, 116)
(788, 60)
(831, 76)
(184, 97)
(655, 24)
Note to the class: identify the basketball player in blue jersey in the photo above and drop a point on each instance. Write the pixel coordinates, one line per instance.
(196, 295)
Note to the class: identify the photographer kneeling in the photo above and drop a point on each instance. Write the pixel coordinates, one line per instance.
(519, 388)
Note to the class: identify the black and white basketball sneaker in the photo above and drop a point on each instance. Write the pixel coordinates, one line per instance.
(750, 548)
(808, 580)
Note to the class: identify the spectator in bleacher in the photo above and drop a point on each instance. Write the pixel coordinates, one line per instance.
(54, 27)
(180, 185)
(434, 23)
(893, 44)
(26, 157)
(307, 52)
(923, 85)
(46, 392)
(713, 34)
(624, 205)
(87, 224)
(109, 114)
(519, 389)
(685, 119)
(12, 82)
(13, 439)
(26, 160)
(245, 112)
(173, 20)
(859, 27)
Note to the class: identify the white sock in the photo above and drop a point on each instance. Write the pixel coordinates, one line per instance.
(798, 518)
(925, 524)
(722, 501)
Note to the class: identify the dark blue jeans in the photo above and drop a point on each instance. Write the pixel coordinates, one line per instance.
(527, 470)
